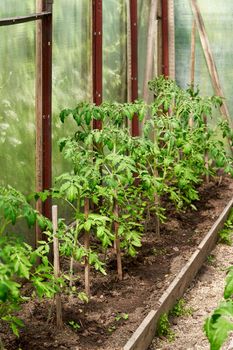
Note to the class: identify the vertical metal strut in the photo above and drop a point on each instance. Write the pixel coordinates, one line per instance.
(97, 55)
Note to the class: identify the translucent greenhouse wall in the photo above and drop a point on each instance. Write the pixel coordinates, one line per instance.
(72, 69)
(17, 99)
(218, 20)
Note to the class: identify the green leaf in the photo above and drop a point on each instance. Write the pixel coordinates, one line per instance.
(219, 325)
(228, 292)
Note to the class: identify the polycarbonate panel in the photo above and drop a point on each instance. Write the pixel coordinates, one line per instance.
(218, 20)
(72, 61)
(115, 50)
(17, 106)
(10, 8)
(143, 21)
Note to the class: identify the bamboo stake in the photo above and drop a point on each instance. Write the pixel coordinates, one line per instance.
(56, 265)
(210, 62)
(117, 240)
(87, 247)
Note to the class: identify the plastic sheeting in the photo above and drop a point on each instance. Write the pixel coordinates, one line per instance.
(115, 50)
(218, 20)
(17, 105)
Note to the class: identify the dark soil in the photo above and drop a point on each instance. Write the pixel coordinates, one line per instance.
(145, 279)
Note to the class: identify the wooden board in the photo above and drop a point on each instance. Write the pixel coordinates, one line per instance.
(143, 336)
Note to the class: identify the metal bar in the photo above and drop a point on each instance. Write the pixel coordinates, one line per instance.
(46, 76)
(97, 55)
(134, 61)
(22, 19)
(165, 39)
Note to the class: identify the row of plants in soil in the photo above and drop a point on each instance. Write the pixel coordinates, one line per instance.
(115, 184)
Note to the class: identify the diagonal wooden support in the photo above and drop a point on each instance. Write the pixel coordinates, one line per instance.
(210, 59)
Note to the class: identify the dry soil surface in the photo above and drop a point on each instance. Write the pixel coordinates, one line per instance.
(202, 297)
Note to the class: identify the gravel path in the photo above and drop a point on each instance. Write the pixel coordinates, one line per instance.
(203, 296)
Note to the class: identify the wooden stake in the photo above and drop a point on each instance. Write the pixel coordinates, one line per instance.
(117, 241)
(87, 247)
(192, 64)
(206, 156)
(56, 265)
(210, 61)
(193, 55)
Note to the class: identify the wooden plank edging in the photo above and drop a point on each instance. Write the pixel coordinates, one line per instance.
(144, 334)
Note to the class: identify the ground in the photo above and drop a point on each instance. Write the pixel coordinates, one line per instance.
(203, 296)
(145, 279)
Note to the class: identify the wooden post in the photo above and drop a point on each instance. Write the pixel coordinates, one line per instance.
(192, 64)
(210, 61)
(87, 247)
(117, 241)
(56, 264)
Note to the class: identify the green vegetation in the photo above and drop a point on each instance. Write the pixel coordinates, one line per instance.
(164, 328)
(180, 309)
(219, 325)
(226, 234)
(115, 181)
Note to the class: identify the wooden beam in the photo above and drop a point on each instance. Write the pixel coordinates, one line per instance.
(209, 59)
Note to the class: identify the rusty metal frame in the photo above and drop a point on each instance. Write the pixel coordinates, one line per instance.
(134, 61)
(165, 39)
(97, 55)
(46, 93)
(23, 19)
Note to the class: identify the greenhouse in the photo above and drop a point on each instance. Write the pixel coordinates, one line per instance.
(116, 157)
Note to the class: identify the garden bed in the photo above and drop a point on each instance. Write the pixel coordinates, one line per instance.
(117, 308)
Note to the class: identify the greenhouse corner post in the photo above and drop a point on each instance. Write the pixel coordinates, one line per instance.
(46, 86)
(134, 60)
(165, 39)
(97, 55)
